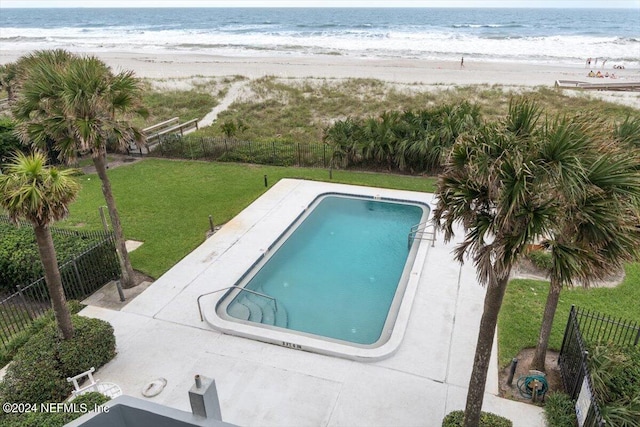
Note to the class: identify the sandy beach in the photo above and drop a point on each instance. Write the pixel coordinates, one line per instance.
(163, 66)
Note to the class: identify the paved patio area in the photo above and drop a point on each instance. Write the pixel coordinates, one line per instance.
(159, 334)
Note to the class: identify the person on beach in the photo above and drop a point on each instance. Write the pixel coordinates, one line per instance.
(588, 63)
(462, 62)
(591, 74)
(599, 75)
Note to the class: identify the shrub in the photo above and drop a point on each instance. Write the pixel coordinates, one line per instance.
(559, 410)
(487, 419)
(82, 404)
(40, 368)
(19, 339)
(541, 259)
(615, 374)
(19, 259)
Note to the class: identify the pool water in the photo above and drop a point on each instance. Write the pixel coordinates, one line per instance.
(336, 273)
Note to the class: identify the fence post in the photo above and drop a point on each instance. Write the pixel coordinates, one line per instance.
(566, 329)
(324, 155)
(299, 156)
(76, 272)
(637, 337)
(273, 153)
(104, 219)
(24, 302)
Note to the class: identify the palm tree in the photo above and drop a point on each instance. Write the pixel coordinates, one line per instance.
(80, 105)
(41, 195)
(515, 183)
(597, 191)
(490, 186)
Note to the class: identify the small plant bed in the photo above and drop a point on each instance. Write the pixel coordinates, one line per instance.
(554, 381)
(40, 368)
(18, 340)
(81, 405)
(487, 419)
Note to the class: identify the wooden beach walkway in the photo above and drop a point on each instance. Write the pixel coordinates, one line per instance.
(612, 86)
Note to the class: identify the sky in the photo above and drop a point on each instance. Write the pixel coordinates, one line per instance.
(634, 4)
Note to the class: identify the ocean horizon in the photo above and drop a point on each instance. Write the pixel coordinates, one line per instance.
(530, 36)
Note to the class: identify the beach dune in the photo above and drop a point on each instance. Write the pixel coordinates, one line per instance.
(406, 71)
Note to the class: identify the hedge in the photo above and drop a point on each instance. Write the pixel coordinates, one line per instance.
(55, 419)
(40, 368)
(559, 410)
(19, 259)
(487, 419)
(21, 338)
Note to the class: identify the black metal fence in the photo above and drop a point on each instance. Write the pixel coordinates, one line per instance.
(585, 327)
(233, 150)
(81, 276)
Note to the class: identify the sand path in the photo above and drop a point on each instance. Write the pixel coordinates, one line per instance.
(232, 95)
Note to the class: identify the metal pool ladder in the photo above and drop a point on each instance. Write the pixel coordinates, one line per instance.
(424, 230)
(241, 290)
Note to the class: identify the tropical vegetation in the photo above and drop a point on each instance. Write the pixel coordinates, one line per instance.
(414, 141)
(69, 104)
(559, 410)
(615, 376)
(41, 195)
(511, 184)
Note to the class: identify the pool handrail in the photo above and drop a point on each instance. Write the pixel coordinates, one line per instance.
(241, 290)
(422, 230)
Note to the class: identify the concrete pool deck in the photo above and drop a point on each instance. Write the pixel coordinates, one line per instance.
(160, 334)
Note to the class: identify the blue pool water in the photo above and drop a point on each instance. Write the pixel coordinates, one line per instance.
(337, 273)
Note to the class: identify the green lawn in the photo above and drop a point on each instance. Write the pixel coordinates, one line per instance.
(523, 304)
(166, 204)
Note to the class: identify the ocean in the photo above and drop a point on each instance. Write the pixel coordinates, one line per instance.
(532, 36)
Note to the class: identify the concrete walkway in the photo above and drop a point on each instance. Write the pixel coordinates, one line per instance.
(159, 334)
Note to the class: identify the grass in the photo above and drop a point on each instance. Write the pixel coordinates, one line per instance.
(166, 204)
(297, 110)
(523, 305)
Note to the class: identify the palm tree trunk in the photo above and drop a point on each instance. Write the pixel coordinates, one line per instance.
(475, 394)
(553, 297)
(99, 161)
(53, 279)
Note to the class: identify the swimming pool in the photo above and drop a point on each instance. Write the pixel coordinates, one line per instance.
(337, 274)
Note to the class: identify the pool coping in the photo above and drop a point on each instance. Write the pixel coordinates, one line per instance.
(300, 341)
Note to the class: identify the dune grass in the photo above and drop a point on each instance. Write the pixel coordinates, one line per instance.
(297, 110)
(166, 204)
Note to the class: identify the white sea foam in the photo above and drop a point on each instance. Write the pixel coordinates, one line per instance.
(543, 37)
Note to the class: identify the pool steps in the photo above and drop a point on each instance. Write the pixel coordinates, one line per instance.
(257, 309)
